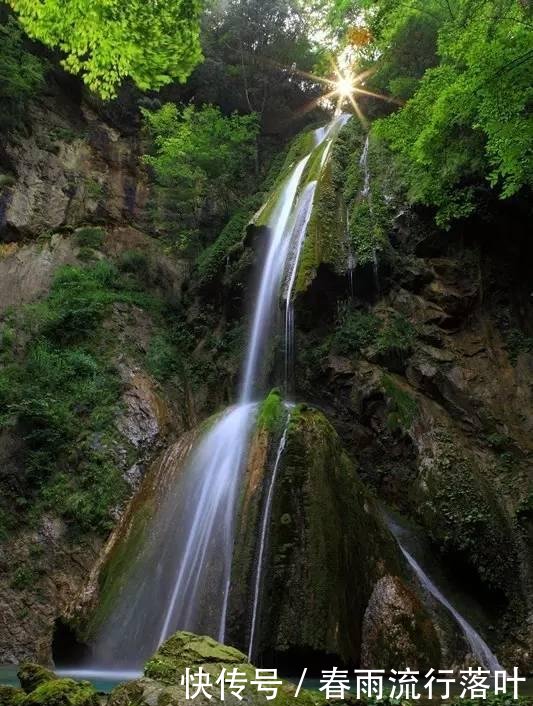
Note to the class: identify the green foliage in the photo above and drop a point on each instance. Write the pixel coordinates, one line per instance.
(464, 67)
(63, 397)
(271, 412)
(162, 360)
(403, 408)
(152, 43)
(90, 237)
(199, 155)
(23, 578)
(395, 334)
(468, 122)
(21, 74)
(357, 330)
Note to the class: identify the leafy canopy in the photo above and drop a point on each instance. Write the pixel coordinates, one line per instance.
(200, 154)
(465, 68)
(21, 73)
(106, 41)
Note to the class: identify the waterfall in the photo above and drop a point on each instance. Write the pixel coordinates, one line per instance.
(478, 647)
(365, 194)
(265, 522)
(181, 573)
(271, 277)
(180, 578)
(304, 208)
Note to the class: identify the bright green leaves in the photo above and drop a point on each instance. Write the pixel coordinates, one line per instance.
(464, 69)
(200, 156)
(106, 41)
(469, 120)
(21, 73)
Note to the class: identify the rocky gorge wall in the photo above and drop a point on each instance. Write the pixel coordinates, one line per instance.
(419, 377)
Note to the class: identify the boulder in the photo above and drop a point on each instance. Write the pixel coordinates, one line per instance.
(32, 676)
(397, 629)
(162, 683)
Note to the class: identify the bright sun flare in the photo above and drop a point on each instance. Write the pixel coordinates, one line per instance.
(344, 86)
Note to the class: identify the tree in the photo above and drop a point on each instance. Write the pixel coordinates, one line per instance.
(258, 53)
(200, 156)
(106, 41)
(465, 66)
(21, 73)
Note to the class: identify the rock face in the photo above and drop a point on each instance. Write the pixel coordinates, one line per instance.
(162, 682)
(441, 424)
(26, 271)
(326, 547)
(397, 629)
(73, 168)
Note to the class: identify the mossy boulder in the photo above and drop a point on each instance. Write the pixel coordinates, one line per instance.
(162, 684)
(397, 629)
(326, 548)
(63, 692)
(185, 649)
(32, 676)
(11, 696)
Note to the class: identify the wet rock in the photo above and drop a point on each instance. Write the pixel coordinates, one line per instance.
(162, 683)
(397, 629)
(63, 692)
(33, 675)
(327, 547)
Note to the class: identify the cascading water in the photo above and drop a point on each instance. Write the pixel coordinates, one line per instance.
(300, 222)
(180, 578)
(479, 648)
(181, 575)
(304, 209)
(365, 194)
(265, 522)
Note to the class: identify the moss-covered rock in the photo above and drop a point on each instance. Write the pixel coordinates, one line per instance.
(32, 676)
(163, 685)
(184, 649)
(11, 696)
(63, 692)
(327, 548)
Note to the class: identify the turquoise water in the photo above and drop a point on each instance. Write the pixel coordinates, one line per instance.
(103, 682)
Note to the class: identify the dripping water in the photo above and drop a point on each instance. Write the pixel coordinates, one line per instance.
(267, 512)
(479, 648)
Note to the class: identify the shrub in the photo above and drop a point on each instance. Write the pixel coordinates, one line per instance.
(90, 237)
(357, 330)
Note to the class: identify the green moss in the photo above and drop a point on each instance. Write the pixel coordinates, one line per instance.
(357, 330)
(271, 412)
(118, 567)
(33, 675)
(184, 650)
(63, 692)
(323, 531)
(403, 408)
(462, 513)
(11, 696)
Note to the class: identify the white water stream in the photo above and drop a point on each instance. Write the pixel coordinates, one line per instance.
(181, 578)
